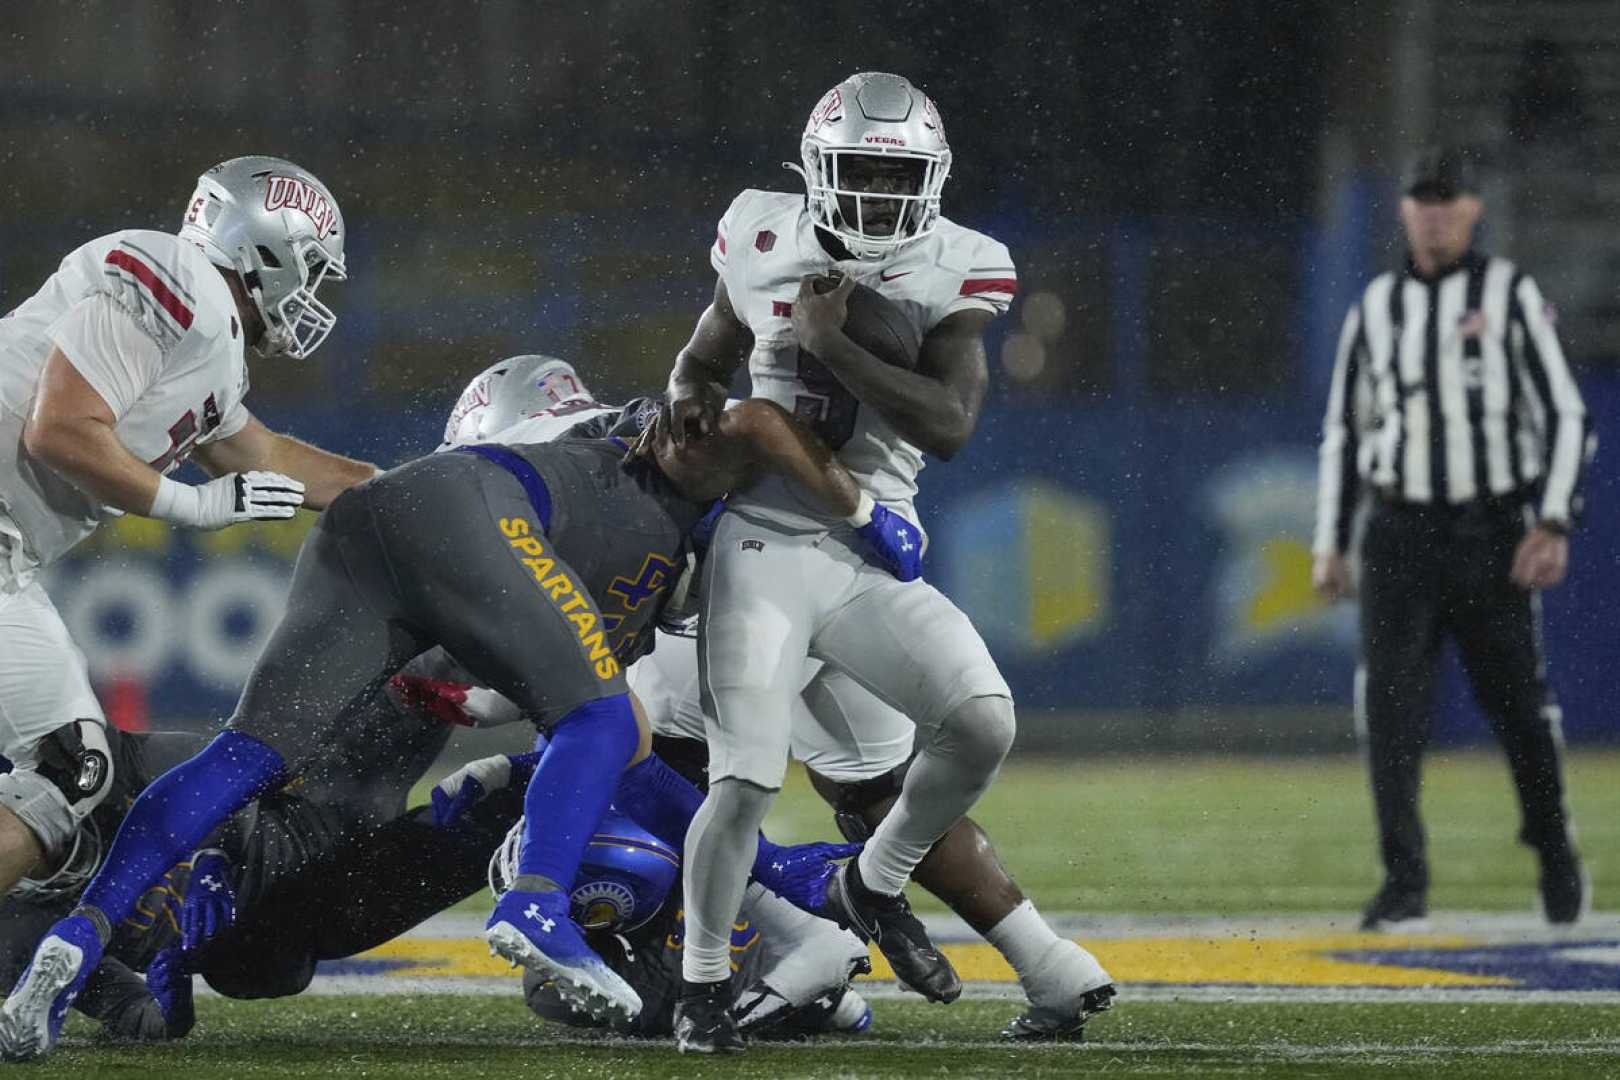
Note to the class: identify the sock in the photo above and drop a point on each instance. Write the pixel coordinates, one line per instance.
(173, 816)
(1022, 937)
(1053, 971)
(573, 786)
(944, 781)
(719, 850)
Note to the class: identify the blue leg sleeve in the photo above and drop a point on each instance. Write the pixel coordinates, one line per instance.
(659, 799)
(573, 786)
(664, 802)
(174, 815)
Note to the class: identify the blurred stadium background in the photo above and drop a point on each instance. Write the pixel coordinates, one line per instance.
(1193, 194)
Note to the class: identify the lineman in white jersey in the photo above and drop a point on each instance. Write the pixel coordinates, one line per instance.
(783, 583)
(126, 362)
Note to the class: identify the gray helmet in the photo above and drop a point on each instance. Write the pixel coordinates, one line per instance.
(506, 392)
(874, 114)
(278, 227)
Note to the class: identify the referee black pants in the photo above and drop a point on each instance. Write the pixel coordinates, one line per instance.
(1429, 574)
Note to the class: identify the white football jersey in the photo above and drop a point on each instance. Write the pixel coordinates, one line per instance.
(152, 326)
(766, 243)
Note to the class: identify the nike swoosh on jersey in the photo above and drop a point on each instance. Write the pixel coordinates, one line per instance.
(890, 277)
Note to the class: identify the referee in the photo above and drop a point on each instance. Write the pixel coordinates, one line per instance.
(1453, 412)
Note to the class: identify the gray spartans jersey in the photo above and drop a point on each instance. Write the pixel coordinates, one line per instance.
(622, 528)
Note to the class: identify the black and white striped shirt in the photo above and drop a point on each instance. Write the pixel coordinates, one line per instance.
(1448, 390)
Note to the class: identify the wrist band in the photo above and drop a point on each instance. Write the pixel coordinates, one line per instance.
(174, 501)
(862, 516)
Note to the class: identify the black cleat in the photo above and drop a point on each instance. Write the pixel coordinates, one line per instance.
(703, 1021)
(1040, 1025)
(1398, 909)
(1566, 891)
(888, 921)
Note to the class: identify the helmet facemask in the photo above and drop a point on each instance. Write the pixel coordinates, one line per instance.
(855, 213)
(295, 321)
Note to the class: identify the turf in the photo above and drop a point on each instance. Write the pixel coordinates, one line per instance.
(435, 1036)
(1230, 835)
(1141, 836)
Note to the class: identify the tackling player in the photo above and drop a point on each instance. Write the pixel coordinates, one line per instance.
(126, 362)
(875, 159)
(335, 865)
(855, 747)
(538, 566)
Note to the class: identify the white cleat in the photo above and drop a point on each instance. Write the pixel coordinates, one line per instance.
(586, 983)
(31, 1018)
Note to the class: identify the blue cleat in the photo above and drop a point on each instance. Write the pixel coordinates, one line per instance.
(31, 1018)
(535, 929)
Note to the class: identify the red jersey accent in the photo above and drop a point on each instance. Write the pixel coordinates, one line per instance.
(160, 292)
(720, 239)
(1006, 285)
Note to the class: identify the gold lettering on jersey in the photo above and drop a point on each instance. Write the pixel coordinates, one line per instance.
(563, 594)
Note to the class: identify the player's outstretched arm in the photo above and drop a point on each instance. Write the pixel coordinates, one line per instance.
(703, 369)
(325, 475)
(71, 429)
(935, 407)
(771, 439)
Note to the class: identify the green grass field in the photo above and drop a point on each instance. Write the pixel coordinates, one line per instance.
(1273, 835)
(434, 1037)
(1214, 835)
(1137, 836)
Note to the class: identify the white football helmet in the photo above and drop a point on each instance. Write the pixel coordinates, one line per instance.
(874, 114)
(508, 391)
(280, 229)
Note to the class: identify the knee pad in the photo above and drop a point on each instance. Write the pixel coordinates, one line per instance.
(982, 729)
(736, 805)
(73, 774)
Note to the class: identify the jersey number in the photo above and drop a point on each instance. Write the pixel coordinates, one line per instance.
(184, 433)
(828, 408)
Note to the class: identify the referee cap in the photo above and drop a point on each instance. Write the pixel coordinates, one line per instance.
(1441, 172)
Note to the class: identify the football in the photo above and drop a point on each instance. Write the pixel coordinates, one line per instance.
(876, 324)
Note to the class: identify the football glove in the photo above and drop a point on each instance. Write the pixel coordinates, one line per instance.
(168, 978)
(799, 873)
(228, 500)
(210, 904)
(893, 542)
(465, 788)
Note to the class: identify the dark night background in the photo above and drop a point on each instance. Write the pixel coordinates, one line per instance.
(1193, 193)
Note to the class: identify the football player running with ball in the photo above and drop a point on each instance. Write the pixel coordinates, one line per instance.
(784, 581)
(127, 361)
